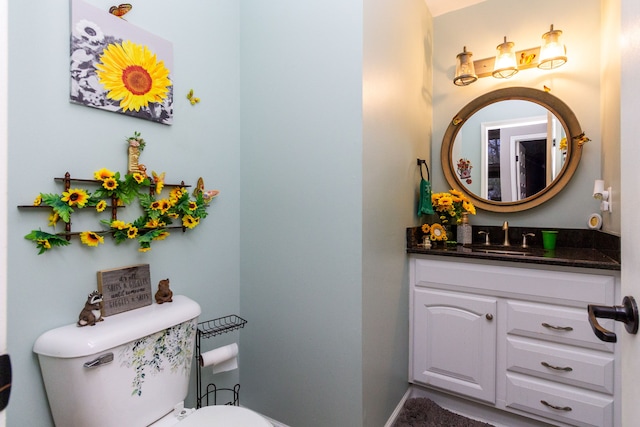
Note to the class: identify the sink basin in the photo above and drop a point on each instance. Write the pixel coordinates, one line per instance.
(505, 250)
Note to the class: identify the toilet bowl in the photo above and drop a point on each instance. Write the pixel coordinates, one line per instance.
(216, 416)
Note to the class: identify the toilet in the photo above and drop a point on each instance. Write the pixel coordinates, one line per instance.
(132, 369)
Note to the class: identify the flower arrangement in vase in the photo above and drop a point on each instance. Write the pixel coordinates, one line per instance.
(449, 206)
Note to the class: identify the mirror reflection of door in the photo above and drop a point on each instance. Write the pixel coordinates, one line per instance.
(529, 159)
(503, 143)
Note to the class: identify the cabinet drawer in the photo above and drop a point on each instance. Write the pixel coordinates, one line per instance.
(572, 366)
(556, 287)
(566, 325)
(570, 405)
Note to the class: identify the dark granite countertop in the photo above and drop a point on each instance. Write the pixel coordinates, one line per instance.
(575, 247)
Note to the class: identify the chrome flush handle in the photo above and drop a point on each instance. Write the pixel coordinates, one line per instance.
(102, 360)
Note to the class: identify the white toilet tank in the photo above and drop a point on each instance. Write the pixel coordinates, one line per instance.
(129, 370)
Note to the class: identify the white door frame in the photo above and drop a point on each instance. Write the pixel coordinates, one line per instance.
(4, 85)
(630, 156)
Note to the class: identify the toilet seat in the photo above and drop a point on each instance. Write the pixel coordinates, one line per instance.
(224, 416)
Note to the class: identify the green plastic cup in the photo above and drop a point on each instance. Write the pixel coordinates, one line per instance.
(549, 239)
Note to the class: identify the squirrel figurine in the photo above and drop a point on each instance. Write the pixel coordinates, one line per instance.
(91, 313)
(164, 294)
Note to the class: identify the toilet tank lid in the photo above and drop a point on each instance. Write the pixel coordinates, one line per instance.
(74, 341)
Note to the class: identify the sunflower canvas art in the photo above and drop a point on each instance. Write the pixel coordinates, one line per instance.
(118, 67)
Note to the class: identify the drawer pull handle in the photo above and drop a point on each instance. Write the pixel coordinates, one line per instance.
(557, 328)
(559, 408)
(557, 368)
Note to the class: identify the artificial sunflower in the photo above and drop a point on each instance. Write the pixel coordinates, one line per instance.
(190, 221)
(163, 235)
(426, 229)
(153, 223)
(139, 178)
(132, 74)
(101, 206)
(103, 174)
(90, 238)
(438, 232)
(175, 194)
(75, 197)
(132, 232)
(120, 225)
(110, 184)
(164, 205)
(38, 200)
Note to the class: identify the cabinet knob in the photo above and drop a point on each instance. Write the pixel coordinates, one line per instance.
(489, 316)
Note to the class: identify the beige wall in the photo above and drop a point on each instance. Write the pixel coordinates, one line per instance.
(397, 112)
(610, 109)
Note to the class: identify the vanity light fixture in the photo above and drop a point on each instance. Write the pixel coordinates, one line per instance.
(505, 65)
(553, 52)
(465, 71)
(599, 193)
(508, 62)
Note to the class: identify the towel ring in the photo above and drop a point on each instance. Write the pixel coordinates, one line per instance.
(423, 162)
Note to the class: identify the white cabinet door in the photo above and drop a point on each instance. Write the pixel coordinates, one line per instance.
(454, 342)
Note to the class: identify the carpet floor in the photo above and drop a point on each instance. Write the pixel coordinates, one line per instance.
(423, 412)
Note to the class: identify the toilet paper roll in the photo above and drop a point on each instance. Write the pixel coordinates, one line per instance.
(222, 358)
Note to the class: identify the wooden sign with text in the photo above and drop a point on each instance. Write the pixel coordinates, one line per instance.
(124, 288)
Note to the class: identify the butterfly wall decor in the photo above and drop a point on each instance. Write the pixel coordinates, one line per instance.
(158, 179)
(207, 195)
(192, 98)
(120, 10)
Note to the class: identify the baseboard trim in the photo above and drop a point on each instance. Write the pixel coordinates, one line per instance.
(396, 412)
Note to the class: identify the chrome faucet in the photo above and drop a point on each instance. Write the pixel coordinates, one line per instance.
(505, 227)
(524, 239)
(486, 237)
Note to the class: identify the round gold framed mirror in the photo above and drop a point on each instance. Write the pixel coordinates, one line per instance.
(512, 149)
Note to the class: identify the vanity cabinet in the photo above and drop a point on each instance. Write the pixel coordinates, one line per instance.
(515, 338)
(455, 342)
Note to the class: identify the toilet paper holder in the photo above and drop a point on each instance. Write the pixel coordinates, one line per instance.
(626, 313)
(210, 329)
